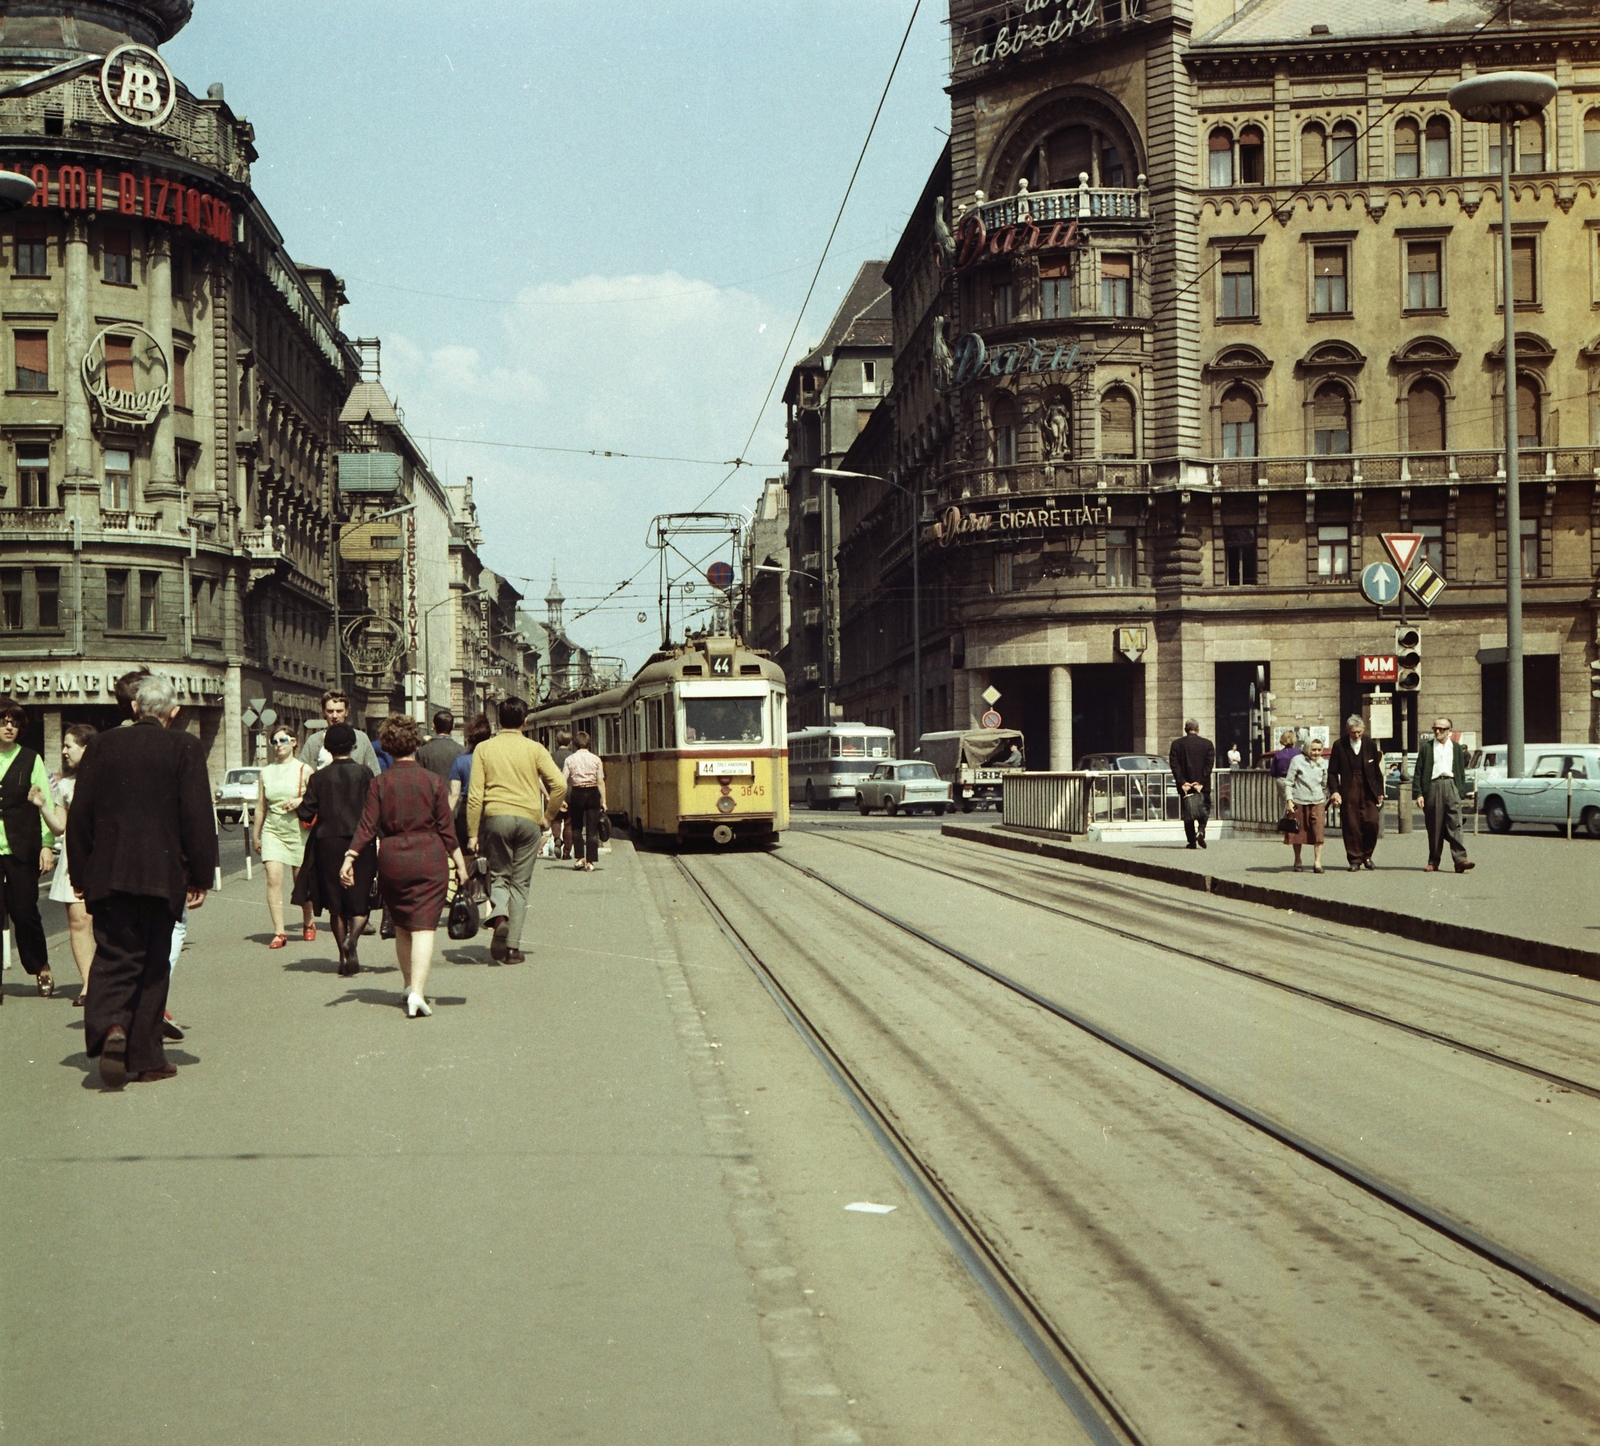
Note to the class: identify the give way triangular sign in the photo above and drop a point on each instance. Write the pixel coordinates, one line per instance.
(1402, 548)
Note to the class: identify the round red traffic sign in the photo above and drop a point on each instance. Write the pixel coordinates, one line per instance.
(720, 576)
(991, 719)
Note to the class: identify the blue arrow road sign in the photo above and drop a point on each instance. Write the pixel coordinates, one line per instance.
(1380, 583)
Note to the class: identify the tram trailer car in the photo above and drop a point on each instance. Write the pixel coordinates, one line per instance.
(694, 747)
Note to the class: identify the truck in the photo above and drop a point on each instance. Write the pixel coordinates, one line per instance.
(974, 762)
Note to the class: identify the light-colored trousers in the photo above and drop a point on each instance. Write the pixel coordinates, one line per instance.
(510, 842)
(1441, 812)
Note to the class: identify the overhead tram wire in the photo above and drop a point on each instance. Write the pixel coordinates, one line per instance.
(783, 356)
(595, 452)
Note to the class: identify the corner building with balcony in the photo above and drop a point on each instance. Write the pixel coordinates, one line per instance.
(1199, 302)
(172, 384)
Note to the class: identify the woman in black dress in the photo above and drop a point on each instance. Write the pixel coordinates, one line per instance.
(335, 798)
(408, 811)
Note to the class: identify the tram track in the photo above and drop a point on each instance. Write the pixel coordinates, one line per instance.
(1345, 1006)
(972, 1218)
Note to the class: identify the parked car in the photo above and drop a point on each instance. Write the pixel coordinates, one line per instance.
(237, 795)
(1541, 797)
(1391, 772)
(1123, 763)
(903, 787)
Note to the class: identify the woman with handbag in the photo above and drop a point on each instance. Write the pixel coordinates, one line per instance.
(332, 807)
(277, 835)
(1307, 783)
(586, 801)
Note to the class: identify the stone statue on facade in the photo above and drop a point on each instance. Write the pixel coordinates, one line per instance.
(943, 237)
(1056, 430)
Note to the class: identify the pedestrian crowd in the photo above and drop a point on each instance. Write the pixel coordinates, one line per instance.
(348, 825)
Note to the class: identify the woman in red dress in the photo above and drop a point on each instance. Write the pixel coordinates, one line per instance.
(408, 811)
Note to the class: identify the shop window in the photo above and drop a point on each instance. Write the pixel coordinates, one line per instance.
(1003, 422)
(33, 250)
(1000, 298)
(1407, 150)
(1591, 140)
(1252, 156)
(1116, 424)
(1529, 428)
(1238, 283)
(1333, 552)
(33, 360)
(116, 600)
(118, 480)
(1313, 154)
(1437, 142)
(1221, 152)
(11, 599)
(47, 597)
(1329, 294)
(116, 250)
(1239, 546)
(180, 377)
(1116, 283)
(1525, 270)
(1331, 419)
(1425, 416)
(1238, 423)
(1055, 289)
(1342, 161)
(1119, 557)
(1424, 261)
(33, 475)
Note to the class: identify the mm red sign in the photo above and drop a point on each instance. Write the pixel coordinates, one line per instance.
(1379, 668)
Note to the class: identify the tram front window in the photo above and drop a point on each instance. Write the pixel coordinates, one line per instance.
(722, 720)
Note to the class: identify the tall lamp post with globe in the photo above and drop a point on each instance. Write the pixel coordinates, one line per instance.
(1503, 98)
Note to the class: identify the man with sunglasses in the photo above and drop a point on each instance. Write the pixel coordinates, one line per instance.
(336, 709)
(26, 844)
(1440, 783)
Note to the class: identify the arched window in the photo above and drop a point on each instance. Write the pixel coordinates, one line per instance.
(1527, 146)
(1252, 156)
(1313, 154)
(1528, 412)
(1060, 158)
(1425, 416)
(1437, 140)
(1342, 165)
(1330, 408)
(1407, 150)
(1003, 425)
(1116, 423)
(1591, 141)
(1112, 171)
(1238, 423)
(1221, 159)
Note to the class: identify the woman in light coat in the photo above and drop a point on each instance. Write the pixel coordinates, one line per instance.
(1307, 785)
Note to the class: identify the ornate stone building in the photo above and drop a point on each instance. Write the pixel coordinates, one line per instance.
(1201, 300)
(172, 386)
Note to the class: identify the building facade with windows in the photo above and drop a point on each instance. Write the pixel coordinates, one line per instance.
(1209, 299)
(173, 382)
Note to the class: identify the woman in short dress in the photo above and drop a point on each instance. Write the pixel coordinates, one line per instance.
(278, 837)
(80, 927)
(408, 812)
(1308, 802)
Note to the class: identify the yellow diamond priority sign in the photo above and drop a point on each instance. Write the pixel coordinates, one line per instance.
(1424, 584)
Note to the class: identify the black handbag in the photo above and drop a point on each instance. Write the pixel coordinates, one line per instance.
(1288, 824)
(1194, 806)
(464, 922)
(605, 828)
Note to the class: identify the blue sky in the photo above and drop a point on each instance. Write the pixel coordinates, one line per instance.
(581, 226)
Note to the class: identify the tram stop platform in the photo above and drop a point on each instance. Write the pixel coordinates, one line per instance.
(602, 1196)
(1530, 898)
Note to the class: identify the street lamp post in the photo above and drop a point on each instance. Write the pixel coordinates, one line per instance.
(916, 588)
(1505, 97)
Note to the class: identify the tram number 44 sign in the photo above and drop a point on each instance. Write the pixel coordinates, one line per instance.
(991, 719)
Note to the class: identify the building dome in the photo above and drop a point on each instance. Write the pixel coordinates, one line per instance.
(88, 27)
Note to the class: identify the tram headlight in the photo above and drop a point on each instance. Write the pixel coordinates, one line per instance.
(725, 804)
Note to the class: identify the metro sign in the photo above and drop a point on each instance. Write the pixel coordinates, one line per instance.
(1379, 667)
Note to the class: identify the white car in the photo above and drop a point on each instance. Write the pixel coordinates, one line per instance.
(1555, 771)
(237, 795)
(908, 787)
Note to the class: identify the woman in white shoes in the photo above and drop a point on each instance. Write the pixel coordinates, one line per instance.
(586, 801)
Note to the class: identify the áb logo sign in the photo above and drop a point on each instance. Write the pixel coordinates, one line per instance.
(137, 86)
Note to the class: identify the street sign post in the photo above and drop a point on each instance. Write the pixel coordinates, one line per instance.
(1380, 583)
(991, 719)
(1424, 584)
(1402, 547)
(990, 695)
(720, 576)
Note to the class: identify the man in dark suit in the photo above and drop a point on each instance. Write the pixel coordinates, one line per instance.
(1192, 759)
(440, 751)
(141, 842)
(1355, 784)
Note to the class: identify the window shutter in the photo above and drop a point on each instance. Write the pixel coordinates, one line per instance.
(1116, 266)
(1328, 261)
(1237, 406)
(1522, 269)
(33, 351)
(180, 377)
(1591, 141)
(1332, 409)
(119, 363)
(1527, 413)
(1425, 417)
(1313, 154)
(1116, 424)
(1422, 258)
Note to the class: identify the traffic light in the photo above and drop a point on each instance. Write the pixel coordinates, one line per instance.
(1408, 659)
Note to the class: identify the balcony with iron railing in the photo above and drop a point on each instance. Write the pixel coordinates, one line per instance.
(1105, 474)
(1376, 468)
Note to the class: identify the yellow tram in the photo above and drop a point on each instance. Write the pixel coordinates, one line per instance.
(695, 747)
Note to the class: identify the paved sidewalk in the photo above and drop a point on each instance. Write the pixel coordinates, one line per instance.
(1532, 899)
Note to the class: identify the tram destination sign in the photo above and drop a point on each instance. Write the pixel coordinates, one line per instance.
(1051, 516)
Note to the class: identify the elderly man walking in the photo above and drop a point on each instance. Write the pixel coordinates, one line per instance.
(1355, 784)
(1439, 785)
(1192, 759)
(503, 813)
(141, 842)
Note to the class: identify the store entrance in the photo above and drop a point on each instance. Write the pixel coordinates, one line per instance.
(1107, 708)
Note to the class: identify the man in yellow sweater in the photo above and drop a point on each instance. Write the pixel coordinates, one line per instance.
(503, 810)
